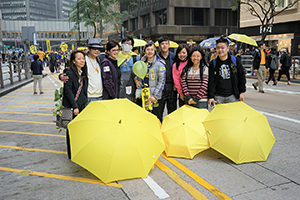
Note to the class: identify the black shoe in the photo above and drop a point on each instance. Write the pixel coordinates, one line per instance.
(261, 91)
(267, 82)
(35, 93)
(255, 88)
(41, 92)
(274, 83)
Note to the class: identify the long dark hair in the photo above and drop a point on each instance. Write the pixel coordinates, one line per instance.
(180, 47)
(74, 68)
(190, 64)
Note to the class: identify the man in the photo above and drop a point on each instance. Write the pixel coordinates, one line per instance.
(95, 87)
(286, 62)
(169, 94)
(259, 66)
(232, 49)
(126, 60)
(210, 54)
(227, 82)
(41, 55)
(53, 59)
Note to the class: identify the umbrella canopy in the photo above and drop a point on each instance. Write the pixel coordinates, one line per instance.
(242, 38)
(115, 140)
(184, 133)
(139, 43)
(239, 132)
(172, 44)
(210, 43)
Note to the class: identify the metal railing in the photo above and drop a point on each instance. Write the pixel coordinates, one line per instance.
(13, 71)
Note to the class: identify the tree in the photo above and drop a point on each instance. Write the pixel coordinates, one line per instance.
(265, 11)
(98, 12)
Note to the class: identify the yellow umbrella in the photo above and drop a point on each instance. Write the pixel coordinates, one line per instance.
(115, 140)
(138, 43)
(239, 132)
(242, 38)
(81, 48)
(184, 133)
(172, 44)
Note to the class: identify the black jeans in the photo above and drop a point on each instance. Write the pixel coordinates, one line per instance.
(271, 75)
(168, 97)
(286, 71)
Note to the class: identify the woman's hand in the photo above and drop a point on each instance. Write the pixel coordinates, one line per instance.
(151, 99)
(191, 101)
(138, 83)
(76, 111)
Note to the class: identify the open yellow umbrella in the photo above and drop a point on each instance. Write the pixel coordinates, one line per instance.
(115, 140)
(139, 43)
(81, 48)
(242, 38)
(184, 133)
(239, 132)
(172, 44)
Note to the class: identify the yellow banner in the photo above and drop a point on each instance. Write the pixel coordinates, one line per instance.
(48, 45)
(63, 47)
(73, 47)
(33, 49)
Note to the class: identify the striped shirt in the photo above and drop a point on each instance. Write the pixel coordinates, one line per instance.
(192, 86)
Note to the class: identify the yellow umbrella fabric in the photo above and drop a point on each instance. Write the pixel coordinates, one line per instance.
(239, 132)
(139, 43)
(184, 133)
(81, 48)
(242, 38)
(115, 140)
(172, 44)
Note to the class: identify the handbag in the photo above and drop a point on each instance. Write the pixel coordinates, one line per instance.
(65, 115)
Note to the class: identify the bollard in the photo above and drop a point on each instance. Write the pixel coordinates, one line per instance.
(1, 76)
(11, 73)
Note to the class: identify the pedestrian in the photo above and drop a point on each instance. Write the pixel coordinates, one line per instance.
(259, 66)
(195, 79)
(127, 57)
(95, 86)
(181, 59)
(154, 79)
(13, 59)
(272, 65)
(53, 59)
(232, 50)
(75, 86)
(37, 73)
(110, 71)
(41, 55)
(227, 82)
(169, 94)
(286, 63)
(210, 54)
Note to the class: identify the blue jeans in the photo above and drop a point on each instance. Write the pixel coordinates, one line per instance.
(200, 104)
(92, 99)
(228, 99)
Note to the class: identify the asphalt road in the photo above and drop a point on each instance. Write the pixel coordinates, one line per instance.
(34, 164)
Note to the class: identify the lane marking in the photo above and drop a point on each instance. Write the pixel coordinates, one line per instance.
(44, 102)
(30, 122)
(24, 93)
(24, 97)
(23, 113)
(59, 81)
(36, 134)
(60, 177)
(276, 90)
(28, 90)
(32, 149)
(190, 189)
(280, 117)
(196, 178)
(8, 106)
(158, 191)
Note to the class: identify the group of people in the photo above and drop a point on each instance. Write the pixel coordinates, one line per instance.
(185, 74)
(263, 62)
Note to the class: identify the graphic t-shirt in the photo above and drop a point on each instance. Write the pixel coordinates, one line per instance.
(224, 85)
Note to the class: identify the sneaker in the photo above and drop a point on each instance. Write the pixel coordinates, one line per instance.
(35, 93)
(274, 83)
(267, 82)
(261, 91)
(255, 88)
(41, 92)
(289, 83)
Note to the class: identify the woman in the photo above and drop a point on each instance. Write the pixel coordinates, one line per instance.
(181, 60)
(110, 71)
(155, 77)
(195, 79)
(272, 55)
(37, 71)
(75, 86)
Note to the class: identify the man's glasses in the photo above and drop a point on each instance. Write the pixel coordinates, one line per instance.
(95, 49)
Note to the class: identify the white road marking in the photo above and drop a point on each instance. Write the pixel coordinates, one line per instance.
(276, 90)
(158, 191)
(280, 117)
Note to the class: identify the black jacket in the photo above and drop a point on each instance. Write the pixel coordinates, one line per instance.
(237, 74)
(70, 91)
(37, 67)
(257, 58)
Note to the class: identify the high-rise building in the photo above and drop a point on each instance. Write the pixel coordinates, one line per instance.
(36, 9)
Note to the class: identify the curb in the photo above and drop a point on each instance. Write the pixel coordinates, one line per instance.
(15, 86)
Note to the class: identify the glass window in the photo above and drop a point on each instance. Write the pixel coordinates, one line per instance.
(8, 35)
(200, 17)
(4, 34)
(182, 16)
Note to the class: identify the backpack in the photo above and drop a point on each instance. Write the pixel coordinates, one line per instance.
(288, 61)
(274, 62)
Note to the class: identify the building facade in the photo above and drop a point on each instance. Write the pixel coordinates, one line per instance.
(284, 33)
(181, 20)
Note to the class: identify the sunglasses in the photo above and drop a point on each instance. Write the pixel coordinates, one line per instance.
(95, 49)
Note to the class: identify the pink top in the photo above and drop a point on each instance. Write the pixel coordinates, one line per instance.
(177, 76)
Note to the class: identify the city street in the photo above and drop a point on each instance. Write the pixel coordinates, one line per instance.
(34, 164)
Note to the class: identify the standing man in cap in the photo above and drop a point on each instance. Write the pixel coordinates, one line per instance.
(95, 87)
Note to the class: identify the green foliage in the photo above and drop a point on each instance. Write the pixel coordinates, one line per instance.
(58, 94)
